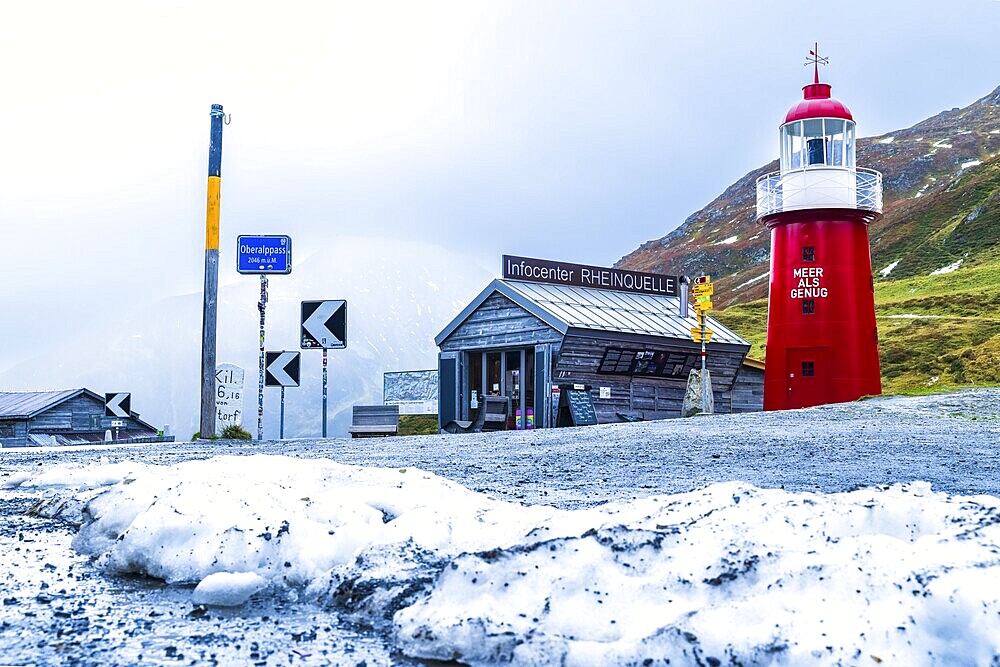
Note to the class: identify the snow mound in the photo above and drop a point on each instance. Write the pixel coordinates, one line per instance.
(753, 280)
(227, 589)
(734, 573)
(288, 520)
(951, 268)
(727, 574)
(74, 476)
(888, 269)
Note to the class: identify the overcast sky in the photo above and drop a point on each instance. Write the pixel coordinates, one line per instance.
(565, 130)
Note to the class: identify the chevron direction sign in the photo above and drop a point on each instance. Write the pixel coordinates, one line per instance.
(118, 405)
(324, 324)
(282, 369)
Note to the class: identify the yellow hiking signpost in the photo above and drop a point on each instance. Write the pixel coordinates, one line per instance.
(696, 334)
(703, 292)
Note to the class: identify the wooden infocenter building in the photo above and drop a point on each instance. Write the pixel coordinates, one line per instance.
(624, 335)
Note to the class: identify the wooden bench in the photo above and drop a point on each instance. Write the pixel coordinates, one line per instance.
(493, 413)
(374, 420)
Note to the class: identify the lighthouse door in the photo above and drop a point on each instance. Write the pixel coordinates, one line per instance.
(807, 376)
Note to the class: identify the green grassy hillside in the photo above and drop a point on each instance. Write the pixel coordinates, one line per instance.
(935, 332)
(953, 341)
(958, 222)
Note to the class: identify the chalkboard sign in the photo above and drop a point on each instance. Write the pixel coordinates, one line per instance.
(576, 407)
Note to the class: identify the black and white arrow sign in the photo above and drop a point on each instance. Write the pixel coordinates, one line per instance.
(282, 369)
(324, 324)
(118, 405)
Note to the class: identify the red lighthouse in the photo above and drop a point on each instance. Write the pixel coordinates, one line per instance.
(822, 343)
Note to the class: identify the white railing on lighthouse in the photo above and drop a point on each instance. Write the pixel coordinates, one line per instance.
(819, 187)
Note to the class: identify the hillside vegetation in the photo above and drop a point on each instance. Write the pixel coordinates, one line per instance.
(935, 251)
(935, 332)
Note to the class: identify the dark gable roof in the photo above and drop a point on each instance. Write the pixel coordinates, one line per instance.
(27, 404)
(565, 307)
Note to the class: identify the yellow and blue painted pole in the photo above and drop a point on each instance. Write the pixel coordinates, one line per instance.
(210, 312)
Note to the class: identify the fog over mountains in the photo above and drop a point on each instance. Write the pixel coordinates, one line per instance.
(153, 350)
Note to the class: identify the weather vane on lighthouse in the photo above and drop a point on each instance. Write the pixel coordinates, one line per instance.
(816, 60)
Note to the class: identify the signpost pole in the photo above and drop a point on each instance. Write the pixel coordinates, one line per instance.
(704, 391)
(324, 325)
(703, 303)
(324, 392)
(261, 306)
(209, 321)
(282, 369)
(263, 255)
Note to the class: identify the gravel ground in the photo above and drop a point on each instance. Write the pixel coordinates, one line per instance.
(56, 609)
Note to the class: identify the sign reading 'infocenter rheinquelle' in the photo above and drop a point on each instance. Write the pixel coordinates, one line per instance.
(264, 254)
(581, 275)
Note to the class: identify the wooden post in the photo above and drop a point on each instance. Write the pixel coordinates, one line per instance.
(209, 322)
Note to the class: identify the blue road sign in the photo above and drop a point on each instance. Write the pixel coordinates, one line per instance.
(264, 254)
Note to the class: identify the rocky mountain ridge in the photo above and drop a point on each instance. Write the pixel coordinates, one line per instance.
(941, 181)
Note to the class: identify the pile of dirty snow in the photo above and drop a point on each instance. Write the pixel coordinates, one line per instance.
(726, 574)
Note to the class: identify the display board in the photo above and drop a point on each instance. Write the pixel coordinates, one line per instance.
(576, 406)
(650, 363)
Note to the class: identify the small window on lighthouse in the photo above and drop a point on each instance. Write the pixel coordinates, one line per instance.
(808, 253)
(849, 146)
(791, 146)
(808, 306)
(815, 141)
(808, 369)
(835, 141)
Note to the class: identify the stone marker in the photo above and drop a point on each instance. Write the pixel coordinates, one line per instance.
(692, 395)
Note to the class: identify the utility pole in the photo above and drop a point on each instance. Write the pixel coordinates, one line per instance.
(209, 322)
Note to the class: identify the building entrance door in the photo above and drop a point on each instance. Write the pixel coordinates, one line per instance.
(807, 377)
(519, 386)
(509, 373)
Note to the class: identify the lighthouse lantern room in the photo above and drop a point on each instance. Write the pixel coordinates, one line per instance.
(822, 342)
